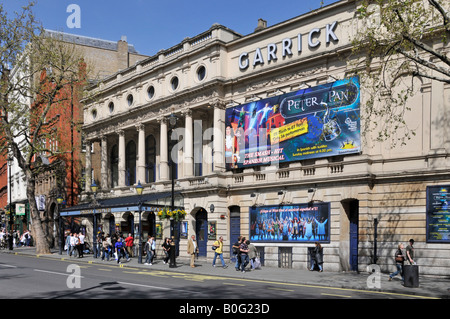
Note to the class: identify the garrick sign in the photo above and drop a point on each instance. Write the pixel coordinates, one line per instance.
(287, 47)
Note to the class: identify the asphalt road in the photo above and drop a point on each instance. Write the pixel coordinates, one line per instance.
(31, 277)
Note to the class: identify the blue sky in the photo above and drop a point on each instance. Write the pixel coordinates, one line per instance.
(154, 25)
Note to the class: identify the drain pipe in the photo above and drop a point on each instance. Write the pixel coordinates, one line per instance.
(375, 235)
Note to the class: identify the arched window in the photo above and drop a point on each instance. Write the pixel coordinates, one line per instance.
(150, 159)
(114, 162)
(130, 163)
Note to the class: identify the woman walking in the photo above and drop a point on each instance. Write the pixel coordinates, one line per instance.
(317, 257)
(399, 260)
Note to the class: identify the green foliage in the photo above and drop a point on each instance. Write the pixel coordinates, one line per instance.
(398, 48)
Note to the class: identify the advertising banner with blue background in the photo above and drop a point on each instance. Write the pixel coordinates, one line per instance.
(309, 123)
(438, 214)
(290, 223)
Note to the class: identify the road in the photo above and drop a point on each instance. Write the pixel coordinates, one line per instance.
(30, 277)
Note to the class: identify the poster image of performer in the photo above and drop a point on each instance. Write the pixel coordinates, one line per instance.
(290, 223)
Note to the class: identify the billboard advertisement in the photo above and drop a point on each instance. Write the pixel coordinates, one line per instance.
(438, 214)
(309, 123)
(290, 223)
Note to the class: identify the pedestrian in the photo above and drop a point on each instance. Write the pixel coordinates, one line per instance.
(399, 261)
(81, 245)
(219, 252)
(124, 250)
(149, 250)
(317, 258)
(192, 249)
(236, 253)
(105, 249)
(68, 243)
(129, 244)
(73, 245)
(410, 252)
(152, 249)
(172, 253)
(243, 248)
(166, 248)
(252, 254)
(120, 248)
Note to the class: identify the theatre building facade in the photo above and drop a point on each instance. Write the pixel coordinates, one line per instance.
(260, 136)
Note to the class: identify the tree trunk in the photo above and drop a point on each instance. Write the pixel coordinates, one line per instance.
(39, 238)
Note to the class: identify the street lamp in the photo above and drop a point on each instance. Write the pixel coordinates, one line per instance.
(94, 189)
(139, 189)
(174, 234)
(59, 201)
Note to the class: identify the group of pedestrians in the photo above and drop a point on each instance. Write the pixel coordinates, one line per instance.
(15, 238)
(245, 253)
(401, 256)
(115, 246)
(75, 245)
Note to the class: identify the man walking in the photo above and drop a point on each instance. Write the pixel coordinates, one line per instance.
(244, 254)
(129, 244)
(192, 249)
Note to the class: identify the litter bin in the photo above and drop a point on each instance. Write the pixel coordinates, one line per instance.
(411, 275)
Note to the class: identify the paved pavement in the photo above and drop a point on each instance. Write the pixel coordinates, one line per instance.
(428, 286)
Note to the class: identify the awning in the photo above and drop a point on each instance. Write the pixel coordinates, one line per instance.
(150, 202)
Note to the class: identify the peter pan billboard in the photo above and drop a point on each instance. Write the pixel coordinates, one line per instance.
(315, 122)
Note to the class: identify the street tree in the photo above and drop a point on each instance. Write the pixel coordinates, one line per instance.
(400, 44)
(38, 75)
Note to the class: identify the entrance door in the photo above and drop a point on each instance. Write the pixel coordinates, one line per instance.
(235, 226)
(201, 231)
(354, 217)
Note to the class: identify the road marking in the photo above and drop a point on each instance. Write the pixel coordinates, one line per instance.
(170, 273)
(104, 269)
(8, 266)
(281, 289)
(57, 273)
(324, 294)
(232, 284)
(145, 286)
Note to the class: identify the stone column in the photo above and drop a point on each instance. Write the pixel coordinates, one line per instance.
(88, 174)
(188, 148)
(141, 154)
(164, 153)
(122, 158)
(104, 162)
(219, 137)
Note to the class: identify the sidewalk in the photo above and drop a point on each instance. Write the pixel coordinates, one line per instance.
(428, 286)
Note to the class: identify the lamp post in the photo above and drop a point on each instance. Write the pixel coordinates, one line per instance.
(94, 189)
(59, 201)
(172, 124)
(139, 189)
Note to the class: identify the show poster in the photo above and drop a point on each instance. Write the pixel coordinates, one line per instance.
(309, 123)
(290, 223)
(438, 214)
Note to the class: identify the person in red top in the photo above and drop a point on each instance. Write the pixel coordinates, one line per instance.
(129, 244)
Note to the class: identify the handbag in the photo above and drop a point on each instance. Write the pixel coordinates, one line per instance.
(399, 259)
(213, 247)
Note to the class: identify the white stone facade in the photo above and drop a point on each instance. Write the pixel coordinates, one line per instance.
(198, 78)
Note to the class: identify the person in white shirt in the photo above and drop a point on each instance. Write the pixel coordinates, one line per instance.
(73, 244)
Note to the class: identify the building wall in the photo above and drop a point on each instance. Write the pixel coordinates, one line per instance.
(388, 182)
